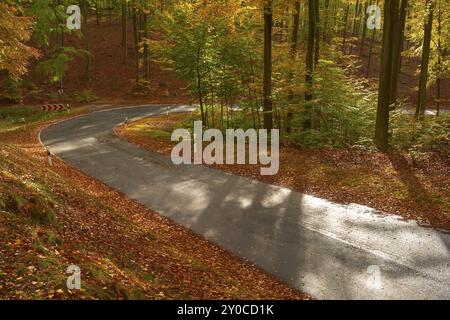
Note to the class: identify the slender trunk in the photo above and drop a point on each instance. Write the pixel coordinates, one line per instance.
(199, 86)
(317, 39)
(344, 35)
(60, 45)
(110, 10)
(97, 12)
(364, 32)
(268, 25)
(125, 31)
(310, 62)
(136, 43)
(294, 45)
(354, 25)
(325, 22)
(295, 29)
(84, 9)
(211, 85)
(439, 48)
(398, 48)
(421, 103)
(146, 49)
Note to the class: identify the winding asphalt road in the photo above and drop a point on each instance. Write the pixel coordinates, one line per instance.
(329, 250)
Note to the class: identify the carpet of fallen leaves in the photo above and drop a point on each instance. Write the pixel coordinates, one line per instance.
(412, 186)
(124, 250)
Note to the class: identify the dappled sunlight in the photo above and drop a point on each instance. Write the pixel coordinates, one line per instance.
(306, 241)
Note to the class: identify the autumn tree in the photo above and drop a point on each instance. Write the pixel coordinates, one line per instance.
(15, 32)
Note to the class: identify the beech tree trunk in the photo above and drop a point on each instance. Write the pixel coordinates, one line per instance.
(85, 30)
(421, 101)
(385, 80)
(294, 46)
(310, 62)
(267, 78)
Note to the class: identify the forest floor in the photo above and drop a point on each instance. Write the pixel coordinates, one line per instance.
(55, 216)
(412, 186)
(111, 80)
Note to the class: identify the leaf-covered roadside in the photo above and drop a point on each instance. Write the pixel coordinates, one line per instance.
(414, 186)
(54, 217)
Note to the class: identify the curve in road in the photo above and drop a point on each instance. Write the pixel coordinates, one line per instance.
(329, 250)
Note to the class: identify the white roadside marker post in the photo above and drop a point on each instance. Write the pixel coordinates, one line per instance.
(49, 158)
(68, 108)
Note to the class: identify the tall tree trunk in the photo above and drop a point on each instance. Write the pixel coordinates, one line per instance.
(344, 34)
(268, 26)
(310, 62)
(110, 10)
(317, 39)
(398, 48)
(355, 18)
(294, 46)
(421, 101)
(60, 45)
(382, 120)
(136, 42)
(295, 29)
(440, 54)
(200, 85)
(125, 30)
(97, 11)
(84, 11)
(364, 32)
(325, 20)
(146, 49)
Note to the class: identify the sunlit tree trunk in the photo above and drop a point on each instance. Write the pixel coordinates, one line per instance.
(268, 26)
(310, 62)
(440, 54)
(421, 101)
(294, 47)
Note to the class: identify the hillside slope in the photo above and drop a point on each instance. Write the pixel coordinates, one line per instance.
(53, 217)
